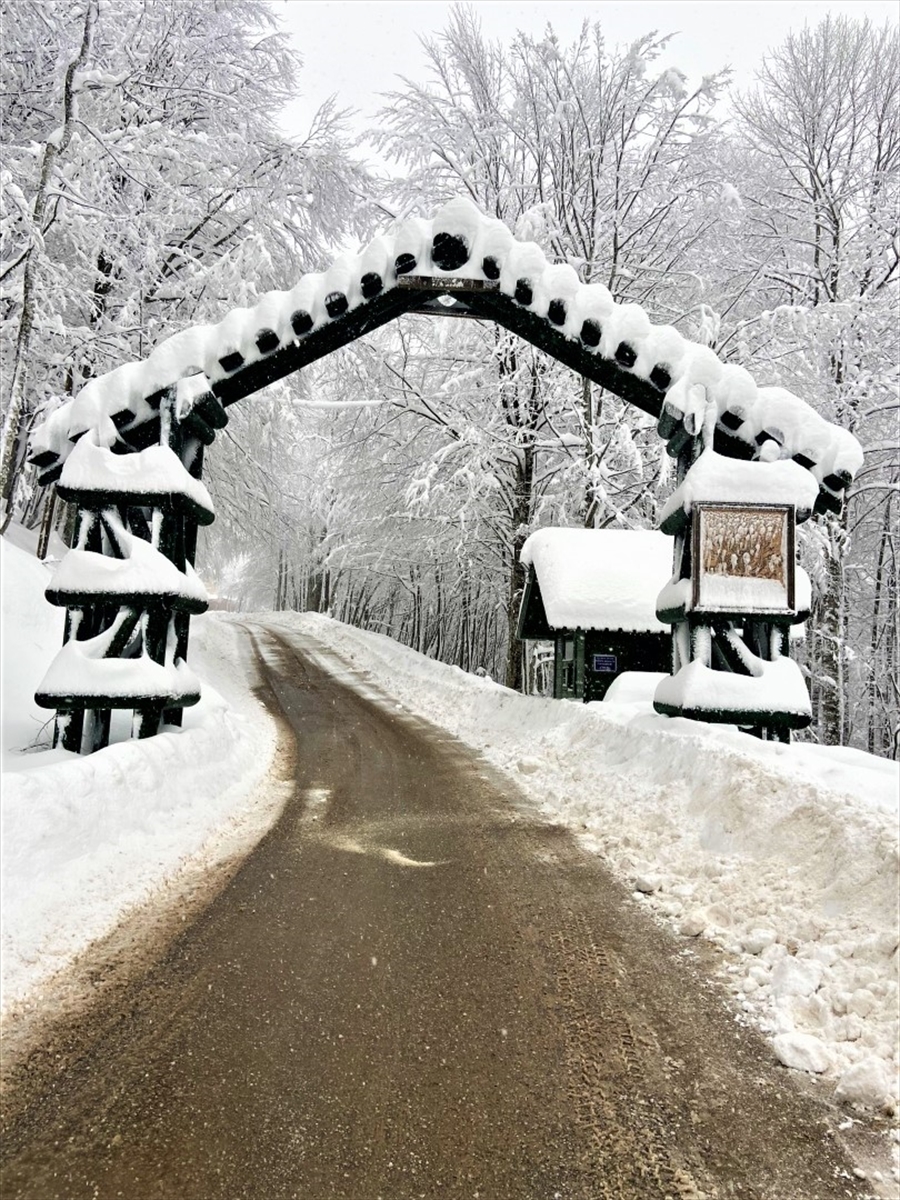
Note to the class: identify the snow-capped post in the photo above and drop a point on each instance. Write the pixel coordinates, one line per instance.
(735, 592)
(127, 585)
(128, 451)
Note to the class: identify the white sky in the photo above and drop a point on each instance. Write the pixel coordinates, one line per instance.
(357, 48)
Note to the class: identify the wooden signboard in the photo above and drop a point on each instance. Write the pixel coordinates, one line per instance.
(743, 559)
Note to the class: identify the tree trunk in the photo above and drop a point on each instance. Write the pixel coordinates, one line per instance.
(831, 639)
(875, 637)
(521, 516)
(314, 592)
(591, 405)
(16, 419)
(46, 525)
(281, 585)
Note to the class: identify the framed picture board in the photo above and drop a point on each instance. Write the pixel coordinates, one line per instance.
(742, 559)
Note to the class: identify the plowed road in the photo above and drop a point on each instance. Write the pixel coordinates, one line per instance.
(414, 987)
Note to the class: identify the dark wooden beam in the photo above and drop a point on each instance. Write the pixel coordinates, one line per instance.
(479, 299)
(342, 330)
(496, 306)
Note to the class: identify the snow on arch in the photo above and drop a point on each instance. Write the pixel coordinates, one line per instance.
(503, 279)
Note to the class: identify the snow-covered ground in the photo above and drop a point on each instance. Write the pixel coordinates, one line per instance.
(786, 857)
(86, 841)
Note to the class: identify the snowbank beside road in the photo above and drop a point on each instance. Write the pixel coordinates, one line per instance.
(87, 840)
(31, 633)
(786, 857)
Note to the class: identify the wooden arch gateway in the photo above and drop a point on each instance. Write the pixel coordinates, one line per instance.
(128, 452)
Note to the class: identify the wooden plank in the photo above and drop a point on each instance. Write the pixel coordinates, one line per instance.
(446, 285)
(325, 339)
(570, 351)
(169, 502)
(69, 703)
(166, 600)
(742, 717)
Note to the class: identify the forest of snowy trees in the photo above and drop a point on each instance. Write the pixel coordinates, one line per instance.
(147, 185)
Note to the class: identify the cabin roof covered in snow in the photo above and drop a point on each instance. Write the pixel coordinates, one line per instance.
(600, 578)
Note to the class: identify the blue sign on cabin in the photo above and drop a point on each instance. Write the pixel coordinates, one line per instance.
(606, 663)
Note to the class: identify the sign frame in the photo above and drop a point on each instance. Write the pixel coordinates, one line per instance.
(703, 509)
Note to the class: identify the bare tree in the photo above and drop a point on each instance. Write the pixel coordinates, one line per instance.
(12, 435)
(598, 155)
(824, 121)
(163, 192)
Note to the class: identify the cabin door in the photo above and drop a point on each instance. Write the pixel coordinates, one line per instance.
(569, 666)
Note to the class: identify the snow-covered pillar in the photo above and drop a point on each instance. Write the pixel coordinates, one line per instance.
(736, 592)
(128, 588)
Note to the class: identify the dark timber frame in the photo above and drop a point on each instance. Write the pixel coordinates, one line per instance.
(170, 523)
(480, 299)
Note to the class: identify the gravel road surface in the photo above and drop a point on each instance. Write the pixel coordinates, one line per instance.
(413, 987)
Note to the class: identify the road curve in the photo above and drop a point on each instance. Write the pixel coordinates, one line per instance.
(415, 987)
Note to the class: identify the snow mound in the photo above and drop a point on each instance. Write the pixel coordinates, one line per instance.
(86, 840)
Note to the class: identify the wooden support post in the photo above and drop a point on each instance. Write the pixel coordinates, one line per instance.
(191, 529)
(138, 524)
(146, 720)
(181, 622)
(80, 526)
(192, 456)
(68, 730)
(173, 716)
(93, 534)
(757, 636)
(177, 540)
(156, 633)
(191, 453)
(97, 732)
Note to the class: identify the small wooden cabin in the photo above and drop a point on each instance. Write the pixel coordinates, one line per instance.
(592, 592)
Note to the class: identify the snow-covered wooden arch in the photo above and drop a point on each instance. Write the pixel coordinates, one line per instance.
(128, 449)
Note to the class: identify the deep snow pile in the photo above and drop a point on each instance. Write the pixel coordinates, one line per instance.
(784, 856)
(85, 840)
